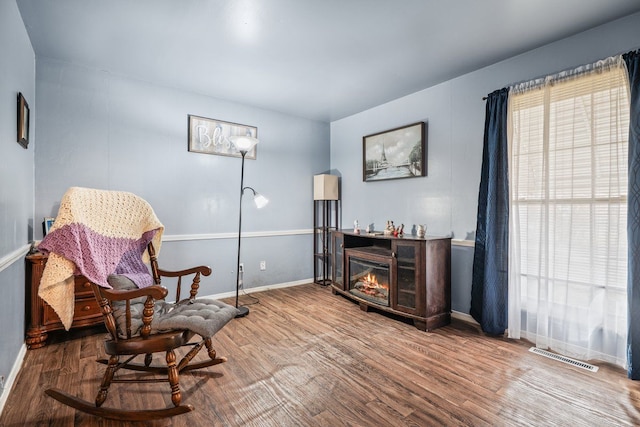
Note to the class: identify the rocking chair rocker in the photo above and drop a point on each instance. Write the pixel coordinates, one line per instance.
(138, 320)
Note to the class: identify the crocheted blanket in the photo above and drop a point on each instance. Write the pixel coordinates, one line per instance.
(96, 233)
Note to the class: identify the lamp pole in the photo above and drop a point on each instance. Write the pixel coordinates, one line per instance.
(242, 311)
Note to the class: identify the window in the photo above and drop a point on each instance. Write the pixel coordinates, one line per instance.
(568, 142)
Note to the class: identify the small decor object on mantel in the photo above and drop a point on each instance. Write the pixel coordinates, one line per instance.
(389, 229)
(422, 229)
(396, 153)
(211, 136)
(23, 121)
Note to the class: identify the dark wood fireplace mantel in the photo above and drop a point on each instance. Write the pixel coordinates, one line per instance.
(419, 282)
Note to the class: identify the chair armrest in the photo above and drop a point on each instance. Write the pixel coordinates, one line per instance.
(195, 284)
(156, 292)
(204, 270)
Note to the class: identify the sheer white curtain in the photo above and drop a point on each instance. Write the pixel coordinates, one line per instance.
(568, 202)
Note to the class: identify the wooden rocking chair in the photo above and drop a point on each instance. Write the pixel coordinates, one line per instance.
(127, 308)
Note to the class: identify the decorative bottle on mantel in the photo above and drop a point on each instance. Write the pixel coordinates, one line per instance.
(389, 229)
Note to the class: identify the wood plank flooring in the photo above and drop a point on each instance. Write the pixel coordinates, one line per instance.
(304, 357)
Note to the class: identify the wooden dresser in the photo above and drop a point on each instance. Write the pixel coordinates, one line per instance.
(41, 318)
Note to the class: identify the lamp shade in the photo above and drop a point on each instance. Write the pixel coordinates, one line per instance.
(325, 187)
(243, 143)
(260, 201)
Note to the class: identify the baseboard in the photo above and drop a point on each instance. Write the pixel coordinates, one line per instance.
(8, 384)
(260, 289)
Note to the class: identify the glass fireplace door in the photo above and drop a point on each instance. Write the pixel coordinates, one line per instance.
(369, 279)
(408, 267)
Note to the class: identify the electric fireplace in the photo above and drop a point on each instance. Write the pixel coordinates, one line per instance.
(369, 280)
(406, 276)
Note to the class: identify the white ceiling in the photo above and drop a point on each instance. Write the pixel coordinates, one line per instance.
(320, 59)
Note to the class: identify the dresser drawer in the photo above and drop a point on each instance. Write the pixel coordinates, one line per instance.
(82, 287)
(83, 309)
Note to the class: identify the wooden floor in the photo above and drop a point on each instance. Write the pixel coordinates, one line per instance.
(304, 357)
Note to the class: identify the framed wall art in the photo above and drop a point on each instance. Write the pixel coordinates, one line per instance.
(396, 153)
(211, 136)
(23, 121)
(47, 224)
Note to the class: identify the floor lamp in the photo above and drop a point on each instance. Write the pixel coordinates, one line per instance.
(244, 144)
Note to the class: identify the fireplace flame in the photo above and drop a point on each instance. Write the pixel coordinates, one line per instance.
(365, 285)
(370, 283)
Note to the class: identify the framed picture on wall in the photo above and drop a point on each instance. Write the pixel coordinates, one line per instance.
(396, 153)
(23, 121)
(47, 224)
(211, 136)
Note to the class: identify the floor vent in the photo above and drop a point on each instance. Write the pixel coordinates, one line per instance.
(564, 359)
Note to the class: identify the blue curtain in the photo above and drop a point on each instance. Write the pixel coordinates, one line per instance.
(489, 287)
(632, 59)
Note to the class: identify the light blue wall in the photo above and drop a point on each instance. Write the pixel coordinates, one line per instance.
(103, 131)
(17, 74)
(446, 200)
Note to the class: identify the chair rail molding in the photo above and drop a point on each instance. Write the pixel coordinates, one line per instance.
(233, 235)
(17, 255)
(270, 233)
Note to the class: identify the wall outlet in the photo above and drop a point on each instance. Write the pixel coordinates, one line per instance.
(1, 381)
(241, 270)
(263, 265)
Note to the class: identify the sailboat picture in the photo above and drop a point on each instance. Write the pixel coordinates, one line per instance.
(395, 153)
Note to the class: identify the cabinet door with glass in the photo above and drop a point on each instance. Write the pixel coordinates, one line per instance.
(337, 243)
(409, 297)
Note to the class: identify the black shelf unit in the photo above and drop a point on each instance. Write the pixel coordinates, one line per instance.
(325, 220)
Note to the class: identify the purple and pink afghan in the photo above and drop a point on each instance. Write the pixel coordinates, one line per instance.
(96, 233)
